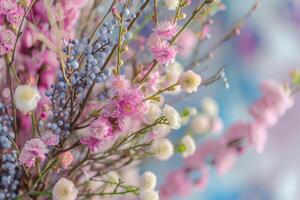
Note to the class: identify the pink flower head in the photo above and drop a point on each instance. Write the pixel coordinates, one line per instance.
(276, 96)
(7, 38)
(15, 15)
(164, 53)
(65, 159)
(119, 83)
(273, 104)
(33, 149)
(6, 6)
(165, 30)
(131, 101)
(99, 130)
(50, 139)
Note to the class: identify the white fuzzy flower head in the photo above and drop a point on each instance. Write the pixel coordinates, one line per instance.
(172, 4)
(148, 181)
(64, 190)
(200, 124)
(172, 116)
(26, 98)
(189, 81)
(172, 74)
(188, 146)
(210, 106)
(163, 149)
(149, 195)
(153, 113)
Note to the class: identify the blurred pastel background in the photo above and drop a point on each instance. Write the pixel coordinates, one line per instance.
(268, 47)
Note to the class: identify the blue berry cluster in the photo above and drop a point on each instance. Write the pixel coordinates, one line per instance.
(10, 176)
(85, 66)
(10, 172)
(6, 133)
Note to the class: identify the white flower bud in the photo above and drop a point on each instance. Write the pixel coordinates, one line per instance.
(26, 98)
(189, 81)
(163, 149)
(172, 116)
(64, 190)
(188, 146)
(200, 124)
(172, 74)
(153, 113)
(148, 181)
(149, 195)
(210, 106)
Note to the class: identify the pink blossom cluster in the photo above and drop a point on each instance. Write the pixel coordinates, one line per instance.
(158, 42)
(222, 153)
(11, 14)
(36, 149)
(127, 101)
(11, 11)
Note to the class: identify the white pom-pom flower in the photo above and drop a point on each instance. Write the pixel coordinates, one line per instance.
(172, 74)
(187, 146)
(149, 195)
(148, 181)
(26, 98)
(163, 149)
(189, 81)
(172, 116)
(64, 190)
(200, 124)
(210, 106)
(153, 113)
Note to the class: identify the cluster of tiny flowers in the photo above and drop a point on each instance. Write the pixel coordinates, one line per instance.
(158, 42)
(36, 149)
(10, 176)
(126, 101)
(12, 13)
(6, 133)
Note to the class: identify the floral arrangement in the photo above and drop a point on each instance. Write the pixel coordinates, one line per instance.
(88, 95)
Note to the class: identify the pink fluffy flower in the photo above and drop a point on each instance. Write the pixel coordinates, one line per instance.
(65, 159)
(165, 30)
(7, 38)
(99, 131)
(130, 101)
(119, 83)
(164, 53)
(15, 15)
(6, 6)
(273, 104)
(50, 139)
(34, 149)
